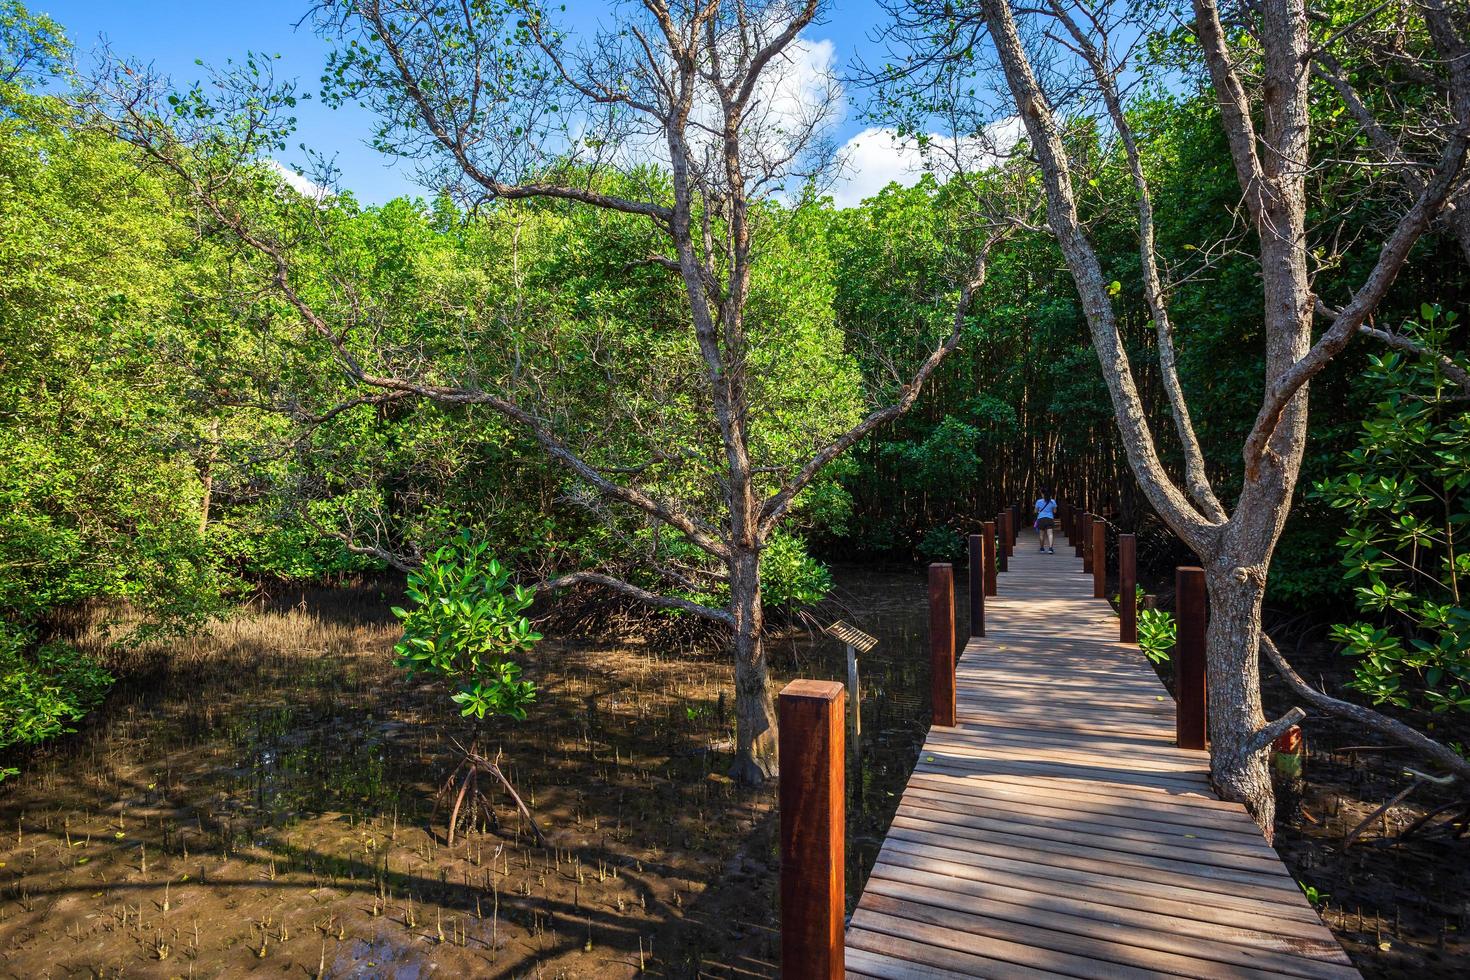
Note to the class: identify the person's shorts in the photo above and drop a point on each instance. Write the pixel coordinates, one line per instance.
(1045, 524)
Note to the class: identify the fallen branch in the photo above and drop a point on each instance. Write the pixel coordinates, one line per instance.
(1367, 821)
(1445, 756)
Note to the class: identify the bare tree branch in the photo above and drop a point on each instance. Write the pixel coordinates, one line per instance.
(1384, 725)
(641, 594)
(1390, 260)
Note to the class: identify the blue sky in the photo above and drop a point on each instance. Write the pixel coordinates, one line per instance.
(173, 33)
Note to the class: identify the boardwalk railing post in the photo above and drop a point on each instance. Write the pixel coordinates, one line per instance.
(813, 818)
(977, 585)
(990, 582)
(1000, 541)
(1015, 525)
(1100, 559)
(1127, 588)
(1079, 524)
(1086, 544)
(1189, 657)
(941, 642)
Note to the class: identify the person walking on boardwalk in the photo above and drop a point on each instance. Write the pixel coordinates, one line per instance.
(1046, 519)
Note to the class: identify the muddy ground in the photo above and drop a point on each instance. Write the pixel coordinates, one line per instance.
(262, 801)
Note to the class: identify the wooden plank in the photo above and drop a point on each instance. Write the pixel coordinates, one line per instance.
(1159, 872)
(880, 966)
(1159, 806)
(1198, 862)
(1121, 880)
(1073, 829)
(984, 956)
(1019, 765)
(899, 939)
(1184, 917)
(1136, 938)
(1059, 812)
(998, 744)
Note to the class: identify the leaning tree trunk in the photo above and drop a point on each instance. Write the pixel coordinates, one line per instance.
(755, 713)
(1233, 680)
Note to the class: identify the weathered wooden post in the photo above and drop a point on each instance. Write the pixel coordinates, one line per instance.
(1099, 559)
(941, 642)
(1000, 541)
(1086, 544)
(1015, 525)
(1127, 588)
(1079, 524)
(812, 799)
(977, 585)
(990, 582)
(1189, 657)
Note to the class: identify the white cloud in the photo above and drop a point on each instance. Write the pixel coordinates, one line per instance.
(298, 183)
(802, 88)
(871, 161)
(878, 156)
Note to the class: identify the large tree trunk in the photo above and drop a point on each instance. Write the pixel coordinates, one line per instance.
(755, 713)
(1234, 689)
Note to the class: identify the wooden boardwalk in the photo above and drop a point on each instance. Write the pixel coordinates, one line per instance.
(1058, 831)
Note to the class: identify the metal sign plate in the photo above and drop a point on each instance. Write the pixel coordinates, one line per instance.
(852, 636)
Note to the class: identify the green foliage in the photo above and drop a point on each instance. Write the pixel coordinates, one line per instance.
(1403, 489)
(1157, 633)
(942, 543)
(44, 688)
(1138, 595)
(1313, 895)
(466, 623)
(790, 577)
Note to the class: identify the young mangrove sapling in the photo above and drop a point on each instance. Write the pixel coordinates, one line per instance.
(467, 622)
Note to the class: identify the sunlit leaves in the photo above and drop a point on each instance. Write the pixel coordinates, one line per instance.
(466, 622)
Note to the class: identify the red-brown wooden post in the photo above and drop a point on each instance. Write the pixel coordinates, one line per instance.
(1100, 559)
(941, 642)
(1127, 588)
(990, 582)
(1079, 524)
(977, 585)
(1015, 525)
(1086, 544)
(1189, 658)
(1000, 542)
(812, 794)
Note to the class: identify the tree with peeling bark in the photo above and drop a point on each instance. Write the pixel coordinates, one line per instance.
(683, 116)
(1065, 69)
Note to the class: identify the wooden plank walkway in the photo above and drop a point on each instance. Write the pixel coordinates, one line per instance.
(1058, 831)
